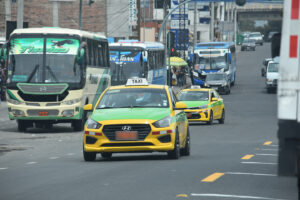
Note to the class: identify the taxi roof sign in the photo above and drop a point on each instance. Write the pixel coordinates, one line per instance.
(136, 82)
(195, 87)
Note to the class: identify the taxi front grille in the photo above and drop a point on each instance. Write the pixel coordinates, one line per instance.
(142, 129)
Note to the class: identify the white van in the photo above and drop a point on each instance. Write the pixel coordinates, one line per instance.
(272, 75)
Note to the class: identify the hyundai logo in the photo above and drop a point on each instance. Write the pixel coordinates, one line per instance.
(126, 128)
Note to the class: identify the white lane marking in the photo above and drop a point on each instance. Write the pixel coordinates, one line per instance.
(273, 145)
(260, 163)
(53, 157)
(269, 149)
(31, 163)
(265, 154)
(233, 196)
(71, 154)
(3, 168)
(254, 174)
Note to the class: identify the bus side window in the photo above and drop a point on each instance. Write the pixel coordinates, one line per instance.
(105, 54)
(91, 52)
(100, 54)
(95, 48)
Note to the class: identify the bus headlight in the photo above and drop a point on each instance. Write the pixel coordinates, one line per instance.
(92, 124)
(12, 101)
(165, 122)
(18, 113)
(71, 102)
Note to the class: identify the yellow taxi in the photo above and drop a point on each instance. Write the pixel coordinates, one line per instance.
(136, 117)
(203, 105)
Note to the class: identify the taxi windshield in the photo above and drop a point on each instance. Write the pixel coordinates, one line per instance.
(193, 96)
(134, 97)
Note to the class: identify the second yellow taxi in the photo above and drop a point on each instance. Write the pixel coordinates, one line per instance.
(203, 105)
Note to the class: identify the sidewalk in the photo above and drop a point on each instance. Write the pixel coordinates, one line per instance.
(187, 85)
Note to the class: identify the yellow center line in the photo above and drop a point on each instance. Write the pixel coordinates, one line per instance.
(213, 177)
(247, 157)
(267, 143)
(182, 195)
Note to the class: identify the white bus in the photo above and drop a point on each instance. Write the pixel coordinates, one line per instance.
(52, 73)
(132, 58)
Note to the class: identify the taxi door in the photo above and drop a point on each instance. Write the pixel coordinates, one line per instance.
(214, 105)
(180, 118)
(219, 104)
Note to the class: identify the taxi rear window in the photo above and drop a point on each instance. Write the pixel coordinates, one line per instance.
(134, 98)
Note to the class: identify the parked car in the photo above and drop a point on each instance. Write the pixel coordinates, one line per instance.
(265, 64)
(248, 44)
(218, 81)
(257, 37)
(272, 75)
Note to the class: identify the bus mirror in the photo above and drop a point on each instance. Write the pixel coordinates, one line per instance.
(229, 58)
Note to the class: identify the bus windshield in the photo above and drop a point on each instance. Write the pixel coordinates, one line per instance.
(213, 62)
(34, 60)
(125, 64)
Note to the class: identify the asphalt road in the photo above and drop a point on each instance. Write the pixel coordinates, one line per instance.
(42, 164)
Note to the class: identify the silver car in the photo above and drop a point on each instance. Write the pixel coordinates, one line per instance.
(257, 37)
(248, 44)
(218, 81)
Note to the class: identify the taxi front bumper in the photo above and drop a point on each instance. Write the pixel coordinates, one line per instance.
(158, 139)
(198, 115)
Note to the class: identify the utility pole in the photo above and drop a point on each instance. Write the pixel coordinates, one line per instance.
(212, 21)
(55, 13)
(235, 25)
(80, 13)
(7, 10)
(195, 22)
(139, 19)
(144, 16)
(20, 13)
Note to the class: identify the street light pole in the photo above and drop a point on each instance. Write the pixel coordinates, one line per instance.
(80, 12)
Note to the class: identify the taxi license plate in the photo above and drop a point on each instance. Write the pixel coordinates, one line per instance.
(126, 135)
(43, 113)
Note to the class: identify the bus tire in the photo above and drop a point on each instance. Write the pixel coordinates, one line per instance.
(78, 124)
(22, 125)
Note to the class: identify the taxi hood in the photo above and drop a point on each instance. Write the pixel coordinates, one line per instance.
(130, 113)
(191, 104)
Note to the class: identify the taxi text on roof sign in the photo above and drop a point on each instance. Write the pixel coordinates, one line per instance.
(136, 82)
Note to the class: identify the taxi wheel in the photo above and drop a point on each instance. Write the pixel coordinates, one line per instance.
(106, 155)
(175, 154)
(222, 120)
(187, 149)
(211, 118)
(89, 156)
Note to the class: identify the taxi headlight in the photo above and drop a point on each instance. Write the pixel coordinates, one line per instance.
(71, 102)
(92, 124)
(165, 122)
(12, 101)
(202, 107)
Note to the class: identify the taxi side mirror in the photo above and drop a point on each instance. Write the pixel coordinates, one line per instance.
(180, 106)
(88, 107)
(214, 99)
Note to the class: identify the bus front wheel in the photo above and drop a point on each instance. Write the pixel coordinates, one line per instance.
(78, 125)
